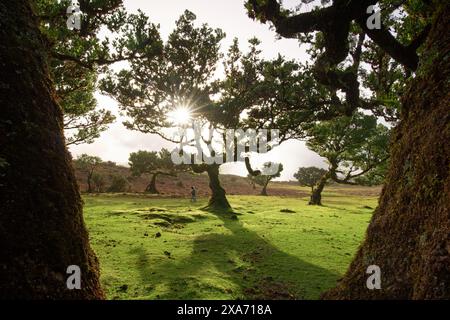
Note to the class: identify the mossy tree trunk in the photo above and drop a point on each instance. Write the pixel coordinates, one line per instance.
(408, 237)
(264, 189)
(218, 198)
(316, 194)
(41, 224)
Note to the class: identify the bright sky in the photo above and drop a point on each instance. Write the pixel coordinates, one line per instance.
(117, 143)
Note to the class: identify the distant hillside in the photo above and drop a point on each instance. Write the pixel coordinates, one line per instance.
(234, 185)
(180, 186)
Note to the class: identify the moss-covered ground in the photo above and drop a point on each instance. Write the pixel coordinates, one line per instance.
(271, 248)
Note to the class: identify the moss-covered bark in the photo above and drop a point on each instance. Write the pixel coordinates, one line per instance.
(316, 194)
(218, 198)
(409, 235)
(41, 224)
(264, 189)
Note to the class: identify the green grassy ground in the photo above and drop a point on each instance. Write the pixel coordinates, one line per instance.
(170, 249)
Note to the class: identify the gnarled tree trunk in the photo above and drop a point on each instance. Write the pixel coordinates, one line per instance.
(218, 198)
(316, 195)
(42, 231)
(264, 189)
(409, 235)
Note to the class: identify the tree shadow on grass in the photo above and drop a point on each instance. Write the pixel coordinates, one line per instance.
(255, 268)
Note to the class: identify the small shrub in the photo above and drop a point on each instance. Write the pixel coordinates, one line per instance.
(118, 184)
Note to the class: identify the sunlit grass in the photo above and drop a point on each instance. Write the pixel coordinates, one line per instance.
(261, 252)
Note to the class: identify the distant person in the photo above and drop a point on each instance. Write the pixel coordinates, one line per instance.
(193, 194)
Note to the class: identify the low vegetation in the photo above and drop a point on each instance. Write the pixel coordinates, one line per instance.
(270, 248)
